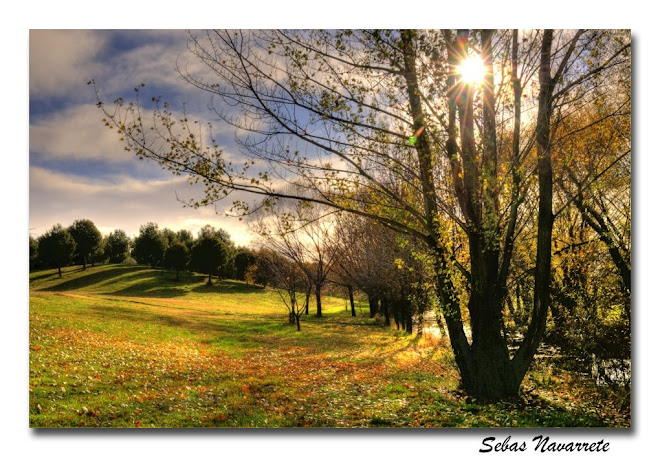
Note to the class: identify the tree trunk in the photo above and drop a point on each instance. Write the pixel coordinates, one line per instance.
(59, 270)
(385, 308)
(317, 292)
(408, 316)
(373, 306)
(399, 312)
(350, 297)
(209, 283)
(308, 292)
(542, 274)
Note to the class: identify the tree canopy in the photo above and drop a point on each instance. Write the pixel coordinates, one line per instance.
(117, 246)
(150, 245)
(88, 239)
(56, 247)
(210, 251)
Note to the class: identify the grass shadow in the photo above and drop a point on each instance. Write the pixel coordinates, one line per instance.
(89, 279)
(227, 287)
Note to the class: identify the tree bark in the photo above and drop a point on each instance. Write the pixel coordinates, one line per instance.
(350, 297)
(317, 292)
(373, 306)
(542, 274)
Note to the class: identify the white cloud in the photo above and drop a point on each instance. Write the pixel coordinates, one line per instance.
(77, 132)
(123, 203)
(62, 61)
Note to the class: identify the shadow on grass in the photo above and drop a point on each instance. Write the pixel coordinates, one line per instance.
(88, 279)
(38, 277)
(217, 330)
(139, 281)
(227, 287)
(210, 327)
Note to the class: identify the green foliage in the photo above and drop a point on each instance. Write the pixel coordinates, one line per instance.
(87, 238)
(170, 235)
(34, 251)
(56, 247)
(117, 246)
(150, 245)
(186, 237)
(177, 257)
(242, 261)
(210, 251)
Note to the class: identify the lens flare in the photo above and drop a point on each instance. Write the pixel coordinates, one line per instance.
(472, 70)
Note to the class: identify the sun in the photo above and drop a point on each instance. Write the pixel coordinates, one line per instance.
(472, 70)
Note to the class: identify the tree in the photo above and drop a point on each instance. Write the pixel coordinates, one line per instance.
(242, 261)
(177, 257)
(117, 246)
(301, 232)
(56, 247)
(87, 238)
(383, 124)
(186, 237)
(170, 236)
(34, 251)
(258, 272)
(209, 253)
(286, 277)
(150, 245)
(99, 255)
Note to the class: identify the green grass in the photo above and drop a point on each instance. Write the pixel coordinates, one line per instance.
(128, 346)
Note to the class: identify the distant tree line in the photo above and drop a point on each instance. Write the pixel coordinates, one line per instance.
(212, 252)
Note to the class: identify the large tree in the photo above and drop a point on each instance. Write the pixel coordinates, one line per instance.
(243, 259)
(56, 248)
(150, 245)
(117, 246)
(88, 239)
(392, 126)
(177, 257)
(210, 251)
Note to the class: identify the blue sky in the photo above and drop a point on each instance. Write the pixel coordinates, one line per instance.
(77, 167)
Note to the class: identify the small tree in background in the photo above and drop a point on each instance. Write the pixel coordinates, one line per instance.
(257, 272)
(56, 247)
(117, 246)
(209, 253)
(34, 250)
(286, 278)
(177, 257)
(150, 245)
(170, 235)
(99, 254)
(242, 260)
(186, 237)
(87, 238)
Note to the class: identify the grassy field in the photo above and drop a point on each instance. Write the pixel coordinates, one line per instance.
(128, 346)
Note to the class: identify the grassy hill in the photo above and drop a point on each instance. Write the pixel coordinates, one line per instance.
(129, 346)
